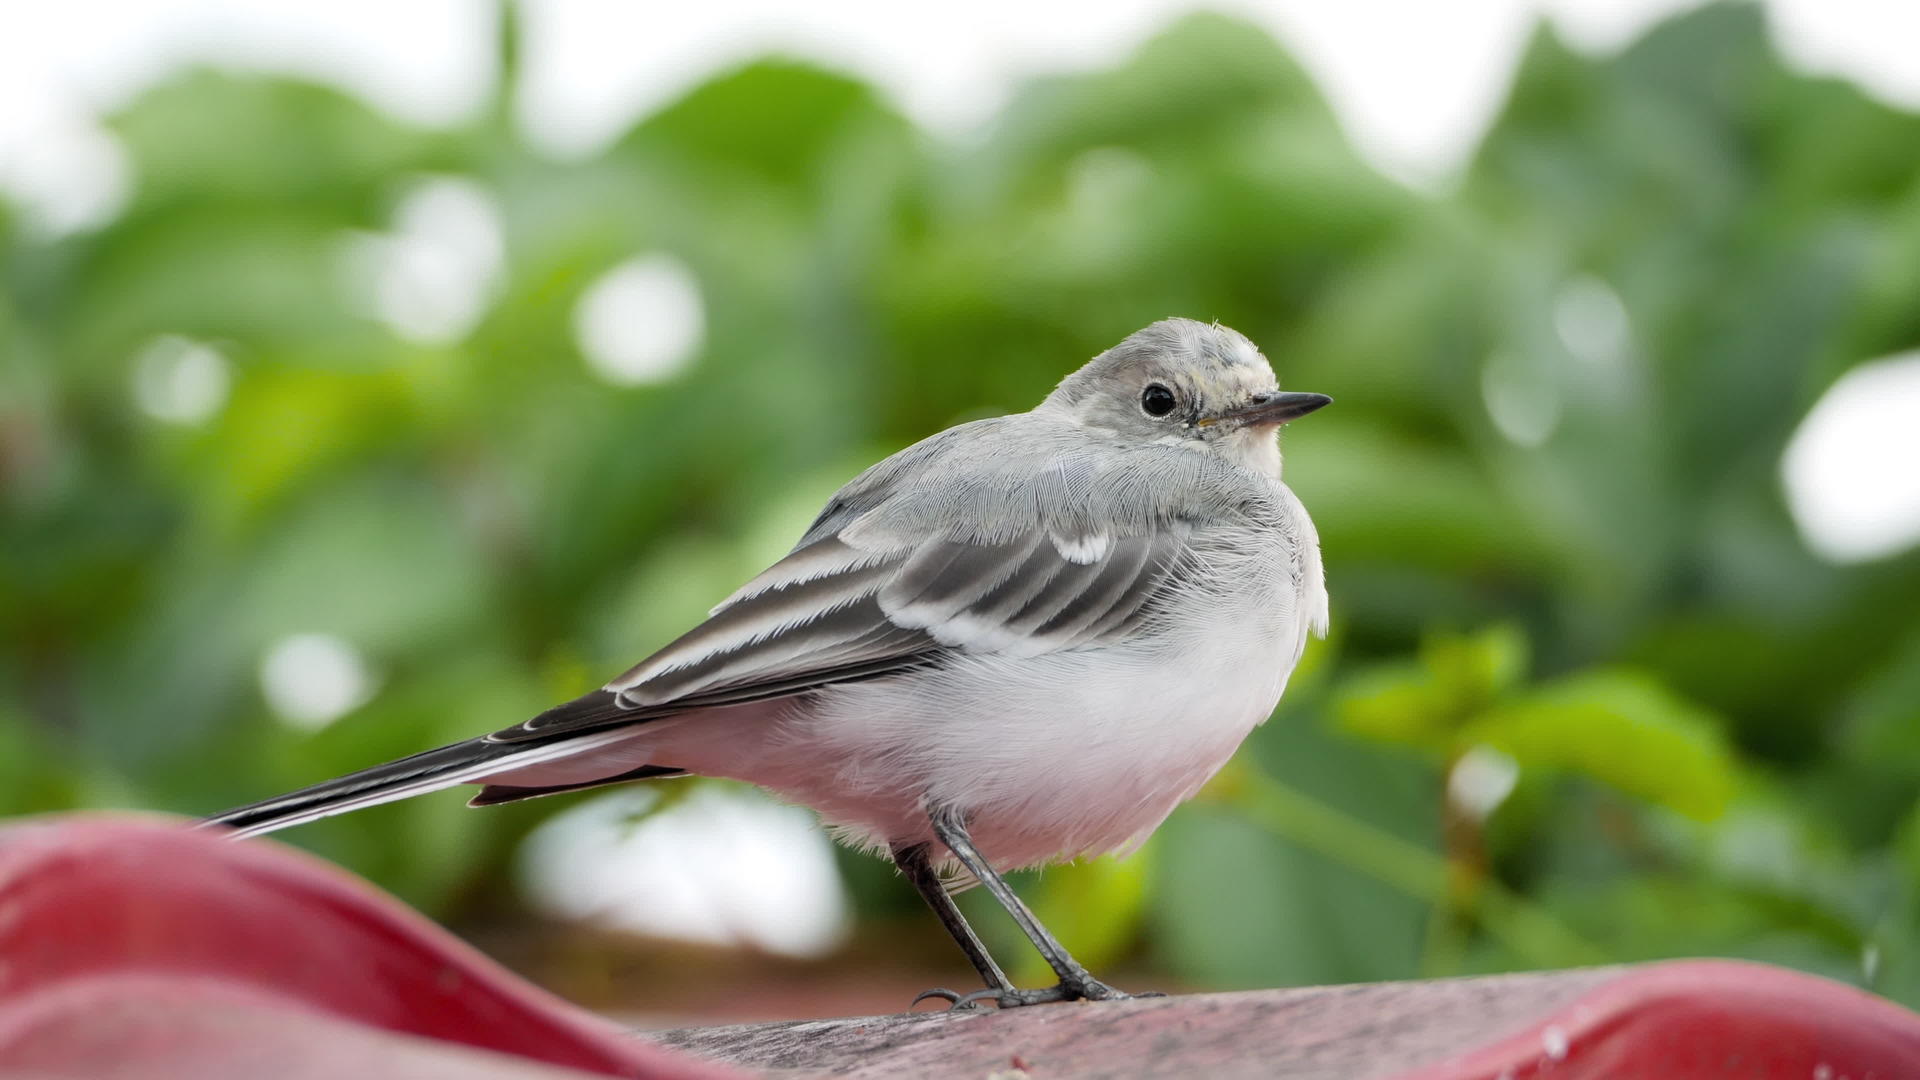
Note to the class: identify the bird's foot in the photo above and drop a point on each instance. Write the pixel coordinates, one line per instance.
(1077, 986)
(957, 1002)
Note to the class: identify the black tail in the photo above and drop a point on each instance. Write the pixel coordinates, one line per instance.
(495, 794)
(423, 772)
(577, 726)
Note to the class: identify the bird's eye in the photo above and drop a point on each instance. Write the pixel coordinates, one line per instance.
(1157, 400)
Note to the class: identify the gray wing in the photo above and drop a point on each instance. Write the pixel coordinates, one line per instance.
(988, 538)
(832, 613)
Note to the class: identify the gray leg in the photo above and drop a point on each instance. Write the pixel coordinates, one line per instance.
(918, 868)
(1075, 980)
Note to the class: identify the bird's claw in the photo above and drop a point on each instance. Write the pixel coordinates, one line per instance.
(1083, 988)
(952, 997)
(1007, 997)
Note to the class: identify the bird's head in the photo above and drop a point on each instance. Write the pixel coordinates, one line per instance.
(1185, 383)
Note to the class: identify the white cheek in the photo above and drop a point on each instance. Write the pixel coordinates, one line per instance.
(1254, 449)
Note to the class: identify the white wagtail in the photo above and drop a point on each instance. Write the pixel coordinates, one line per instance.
(1024, 639)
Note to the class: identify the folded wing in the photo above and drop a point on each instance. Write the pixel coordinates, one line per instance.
(838, 610)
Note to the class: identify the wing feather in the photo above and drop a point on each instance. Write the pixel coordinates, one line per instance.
(831, 613)
(1122, 565)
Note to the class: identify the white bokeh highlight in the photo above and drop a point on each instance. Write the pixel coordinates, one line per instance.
(1591, 321)
(425, 61)
(1852, 470)
(1480, 780)
(1522, 396)
(75, 176)
(724, 866)
(431, 278)
(642, 322)
(1870, 41)
(310, 680)
(179, 380)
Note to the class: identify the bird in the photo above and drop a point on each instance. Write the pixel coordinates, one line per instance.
(1022, 640)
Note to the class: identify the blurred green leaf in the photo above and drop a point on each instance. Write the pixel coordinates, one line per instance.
(1893, 961)
(1364, 853)
(1622, 728)
(1473, 670)
(288, 425)
(34, 778)
(221, 138)
(1399, 704)
(1291, 916)
(776, 119)
(1458, 676)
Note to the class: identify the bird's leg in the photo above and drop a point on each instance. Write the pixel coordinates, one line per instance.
(914, 863)
(1075, 980)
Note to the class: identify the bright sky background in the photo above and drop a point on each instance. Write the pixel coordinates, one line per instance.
(1414, 82)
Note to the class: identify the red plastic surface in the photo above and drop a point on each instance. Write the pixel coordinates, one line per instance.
(148, 943)
(1705, 1020)
(143, 950)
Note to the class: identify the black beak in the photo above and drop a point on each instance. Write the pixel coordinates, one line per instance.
(1276, 408)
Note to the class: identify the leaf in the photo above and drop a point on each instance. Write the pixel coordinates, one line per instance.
(1471, 670)
(1426, 704)
(241, 139)
(775, 119)
(34, 774)
(1622, 728)
(1654, 916)
(1285, 916)
(1381, 496)
(1894, 948)
(284, 426)
(1396, 703)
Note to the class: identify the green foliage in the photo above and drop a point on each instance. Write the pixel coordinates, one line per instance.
(1431, 702)
(1620, 727)
(1616, 725)
(1564, 388)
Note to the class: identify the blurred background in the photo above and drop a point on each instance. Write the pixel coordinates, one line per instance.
(374, 377)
